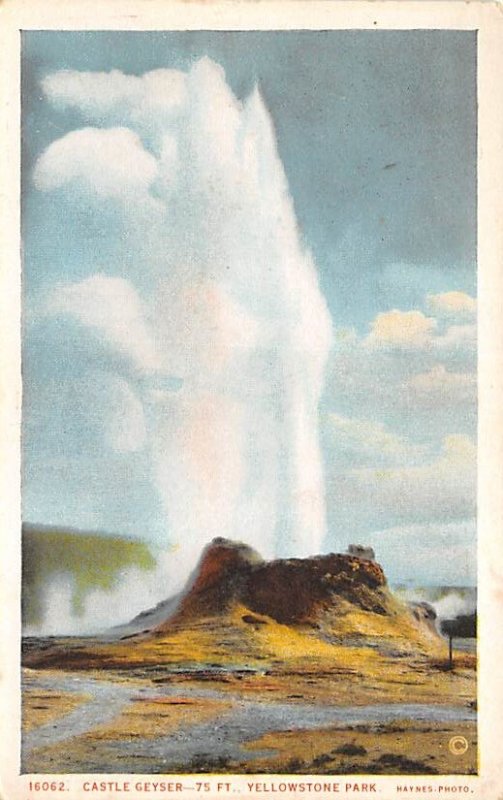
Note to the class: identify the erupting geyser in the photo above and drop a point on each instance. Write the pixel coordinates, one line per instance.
(240, 321)
(218, 305)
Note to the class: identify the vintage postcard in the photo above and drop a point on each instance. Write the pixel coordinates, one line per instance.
(251, 292)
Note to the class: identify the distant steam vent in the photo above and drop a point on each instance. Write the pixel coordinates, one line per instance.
(360, 551)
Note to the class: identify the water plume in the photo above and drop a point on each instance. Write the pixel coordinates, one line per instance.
(237, 328)
(241, 322)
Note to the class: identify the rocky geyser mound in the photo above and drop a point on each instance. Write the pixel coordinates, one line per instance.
(291, 591)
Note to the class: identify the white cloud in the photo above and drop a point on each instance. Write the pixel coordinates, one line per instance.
(428, 554)
(439, 386)
(403, 329)
(452, 304)
(106, 97)
(112, 307)
(421, 378)
(109, 163)
(419, 383)
(458, 339)
(413, 330)
(359, 443)
(443, 488)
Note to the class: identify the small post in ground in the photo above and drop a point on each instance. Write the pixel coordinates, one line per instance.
(464, 626)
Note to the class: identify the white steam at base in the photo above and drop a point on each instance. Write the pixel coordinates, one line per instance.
(219, 309)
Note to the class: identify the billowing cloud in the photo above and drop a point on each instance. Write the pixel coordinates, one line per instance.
(413, 330)
(404, 329)
(452, 304)
(109, 163)
(419, 372)
(113, 309)
(111, 97)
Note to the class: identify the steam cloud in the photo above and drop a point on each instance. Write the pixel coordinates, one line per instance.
(134, 591)
(228, 314)
(454, 605)
(448, 604)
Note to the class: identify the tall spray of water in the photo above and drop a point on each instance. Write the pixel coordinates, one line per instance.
(231, 330)
(242, 323)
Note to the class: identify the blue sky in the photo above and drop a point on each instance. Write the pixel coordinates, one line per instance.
(363, 150)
